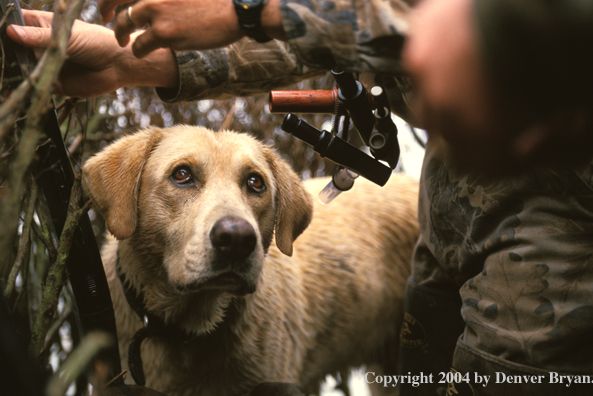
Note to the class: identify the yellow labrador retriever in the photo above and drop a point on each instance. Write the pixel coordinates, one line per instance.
(195, 214)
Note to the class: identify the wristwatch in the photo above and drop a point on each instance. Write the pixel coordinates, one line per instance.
(249, 15)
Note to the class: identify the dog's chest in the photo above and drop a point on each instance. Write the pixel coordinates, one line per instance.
(197, 366)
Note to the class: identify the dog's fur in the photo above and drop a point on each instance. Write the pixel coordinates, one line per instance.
(286, 314)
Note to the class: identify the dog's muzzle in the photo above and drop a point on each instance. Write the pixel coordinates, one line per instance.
(231, 267)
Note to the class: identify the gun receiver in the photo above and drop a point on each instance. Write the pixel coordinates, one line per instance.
(383, 140)
(337, 150)
(354, 97)
(375, 127)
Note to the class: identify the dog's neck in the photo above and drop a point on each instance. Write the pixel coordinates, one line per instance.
(135, 299)
(155, 326)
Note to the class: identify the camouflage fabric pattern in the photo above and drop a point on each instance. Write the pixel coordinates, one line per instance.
(520, 250)
(355, 35)
(361, 35)
(242, 69)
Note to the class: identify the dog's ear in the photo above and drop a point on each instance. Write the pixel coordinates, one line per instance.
(294, 205)
(112, 178)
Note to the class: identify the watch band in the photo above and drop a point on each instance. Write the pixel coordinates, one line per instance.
(249, 15)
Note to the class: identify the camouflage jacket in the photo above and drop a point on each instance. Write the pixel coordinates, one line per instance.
(520, 252)
(359, 35)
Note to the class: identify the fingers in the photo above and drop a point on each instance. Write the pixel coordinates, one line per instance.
(32, 37)
(123, 28)
(146, 43)
(129, 20)
(107, 8)
(38, 18)
(37, 33)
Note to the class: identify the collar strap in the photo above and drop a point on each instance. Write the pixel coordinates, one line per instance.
(154, 326)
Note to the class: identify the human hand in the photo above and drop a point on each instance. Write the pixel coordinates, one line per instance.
(96, 63)
(183, 24)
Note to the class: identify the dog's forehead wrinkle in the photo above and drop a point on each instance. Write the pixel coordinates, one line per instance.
(218, 155)
(247, 155)
(187, 145)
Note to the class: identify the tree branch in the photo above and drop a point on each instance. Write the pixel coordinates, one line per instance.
(40, 84)
(78, 362)
(57, 275)
(25, 244)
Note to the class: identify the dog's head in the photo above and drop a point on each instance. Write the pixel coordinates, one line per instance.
(203, 206)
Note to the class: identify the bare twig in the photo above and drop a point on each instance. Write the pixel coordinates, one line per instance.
(24, 278)
(53, 330)
(228, 120)
(2, 22)
(40, 84)
(78, 362)
(103, 136)
(111, 381)
(13, 106)
(75, 143)
(66, 106)
(44, 235)
(66, 103)
(57, 275)
(25, 244)
(8, 152)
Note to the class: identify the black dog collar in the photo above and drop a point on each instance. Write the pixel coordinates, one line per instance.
(154, 326)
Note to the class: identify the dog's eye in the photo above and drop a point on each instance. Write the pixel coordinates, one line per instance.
(182, 175)
(256, 183)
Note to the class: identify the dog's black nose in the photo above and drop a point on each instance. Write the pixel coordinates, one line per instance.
(233, 237)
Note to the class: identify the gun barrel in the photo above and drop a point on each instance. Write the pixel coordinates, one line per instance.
(319, 101)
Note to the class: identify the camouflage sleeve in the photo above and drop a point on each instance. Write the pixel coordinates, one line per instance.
(242, 69)
(355, 35)
(360, 35)
(520, 250)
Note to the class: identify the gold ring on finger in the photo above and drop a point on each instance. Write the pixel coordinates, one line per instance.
(129, 18)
